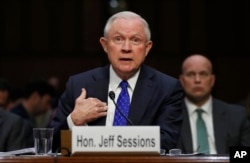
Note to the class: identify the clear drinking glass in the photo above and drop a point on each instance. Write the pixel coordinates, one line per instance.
(43, 138)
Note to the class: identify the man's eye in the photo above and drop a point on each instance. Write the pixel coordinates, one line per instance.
(190, 74)
(204, 74)
(118, 39)
(136, 41)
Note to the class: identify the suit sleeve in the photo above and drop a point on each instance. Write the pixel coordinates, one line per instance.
(65, 107)
(16, 136)
(245, 131)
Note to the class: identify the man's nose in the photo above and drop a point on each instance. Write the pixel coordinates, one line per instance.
(197, 77)
(126, 45)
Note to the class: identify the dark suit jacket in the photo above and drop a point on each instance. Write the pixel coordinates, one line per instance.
(156, 101)
(231, 128)
(12, 132)
(21, 111)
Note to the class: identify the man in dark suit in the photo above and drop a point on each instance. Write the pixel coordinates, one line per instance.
(226, 124)
(155, 98)
(37, 97)
(5, 93)
(12, 132)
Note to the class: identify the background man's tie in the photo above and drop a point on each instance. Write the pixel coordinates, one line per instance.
(202, 136)
(123, 103)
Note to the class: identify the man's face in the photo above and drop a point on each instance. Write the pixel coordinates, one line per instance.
(197, 79)
(43, 104)
(127, 46)
(4, 97)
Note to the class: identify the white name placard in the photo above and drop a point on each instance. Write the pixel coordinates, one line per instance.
(130, 139)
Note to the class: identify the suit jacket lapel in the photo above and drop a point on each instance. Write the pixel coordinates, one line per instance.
(220, 127)
(99, 86)
(1, 117)
(144, 87)
(186, 132)
(99, 89)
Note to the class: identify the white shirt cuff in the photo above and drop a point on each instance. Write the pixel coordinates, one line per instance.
(70, 122)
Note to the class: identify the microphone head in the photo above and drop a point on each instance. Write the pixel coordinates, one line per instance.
(112, 95)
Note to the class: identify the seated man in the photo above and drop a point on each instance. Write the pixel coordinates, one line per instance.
(224, 124)
(149, 96)
(12, 132)
(37, 98)
(5, 91)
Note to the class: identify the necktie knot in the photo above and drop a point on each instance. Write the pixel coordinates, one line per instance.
(199, 112)
(124, 84)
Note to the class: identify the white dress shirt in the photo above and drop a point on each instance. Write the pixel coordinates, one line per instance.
(113, 86)
(208, 118)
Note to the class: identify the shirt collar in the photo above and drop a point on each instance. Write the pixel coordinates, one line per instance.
(207, 107)
(115, 79)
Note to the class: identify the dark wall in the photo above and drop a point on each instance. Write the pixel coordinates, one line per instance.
(41, 38)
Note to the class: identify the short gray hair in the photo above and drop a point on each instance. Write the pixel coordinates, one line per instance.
(126, 15)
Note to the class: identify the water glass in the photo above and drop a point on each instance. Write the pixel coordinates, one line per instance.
(43, 138)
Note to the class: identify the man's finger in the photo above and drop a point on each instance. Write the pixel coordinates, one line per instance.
(83, 94)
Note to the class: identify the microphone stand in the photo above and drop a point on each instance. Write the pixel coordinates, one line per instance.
(112, 97)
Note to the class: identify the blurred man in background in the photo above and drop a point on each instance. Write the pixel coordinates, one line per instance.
(12, 136)
(210, 125)
(37, 98)
(5, 93)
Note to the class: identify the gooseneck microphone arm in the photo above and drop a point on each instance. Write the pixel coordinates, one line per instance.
(112, 97)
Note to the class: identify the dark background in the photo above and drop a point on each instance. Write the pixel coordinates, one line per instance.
(42, 38)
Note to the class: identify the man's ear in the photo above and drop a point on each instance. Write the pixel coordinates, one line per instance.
(181, 79)
(103, 42)
(148, 47)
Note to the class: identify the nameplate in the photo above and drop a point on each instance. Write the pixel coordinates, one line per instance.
(116, 140)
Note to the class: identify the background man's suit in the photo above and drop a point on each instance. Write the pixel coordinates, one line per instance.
(231, 127)
(156, 101)
(12, 131)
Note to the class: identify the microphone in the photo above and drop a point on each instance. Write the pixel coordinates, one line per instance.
(112, 97)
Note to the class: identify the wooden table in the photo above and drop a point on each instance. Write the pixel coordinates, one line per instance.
(113, 159)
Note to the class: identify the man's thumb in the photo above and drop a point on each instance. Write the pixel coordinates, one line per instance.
(83, 94)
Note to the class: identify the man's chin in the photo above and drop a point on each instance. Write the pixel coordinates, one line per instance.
(197, 99)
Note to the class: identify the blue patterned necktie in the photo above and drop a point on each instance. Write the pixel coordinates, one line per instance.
(202, 136)
(123, 103)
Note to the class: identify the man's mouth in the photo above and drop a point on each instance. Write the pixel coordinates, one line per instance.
(125, 59)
